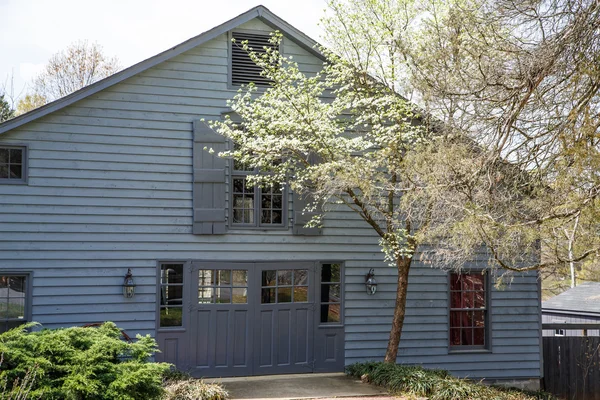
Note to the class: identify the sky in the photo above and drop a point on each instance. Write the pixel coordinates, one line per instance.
(31, 31)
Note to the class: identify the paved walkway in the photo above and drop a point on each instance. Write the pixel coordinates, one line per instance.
(302, 386)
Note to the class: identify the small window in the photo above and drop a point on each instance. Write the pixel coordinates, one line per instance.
(559, 332)
(468, 310)
(243, 69)
(331, 293)
(171, 295)
(284, 286)
(222, 286)
(13, 301)
(13, 160)
(255, 205)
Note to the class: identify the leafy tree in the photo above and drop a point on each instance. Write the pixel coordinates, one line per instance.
(30, 102)
(79, 65)
(504, 150)
(6, 112)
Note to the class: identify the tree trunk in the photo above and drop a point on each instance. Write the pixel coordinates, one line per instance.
(391, 353)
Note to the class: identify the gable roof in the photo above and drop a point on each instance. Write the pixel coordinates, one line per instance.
(584, 298)
(259, 12)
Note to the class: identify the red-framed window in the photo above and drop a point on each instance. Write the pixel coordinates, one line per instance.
(468, 310)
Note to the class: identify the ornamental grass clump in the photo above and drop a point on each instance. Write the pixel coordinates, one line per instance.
(81, 363)
(194, 389)
(434, 384)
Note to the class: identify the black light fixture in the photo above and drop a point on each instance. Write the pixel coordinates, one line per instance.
(370, 282)
(128, 285)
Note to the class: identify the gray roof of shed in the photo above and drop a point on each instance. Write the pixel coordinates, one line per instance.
(260, 12)
(584, 298)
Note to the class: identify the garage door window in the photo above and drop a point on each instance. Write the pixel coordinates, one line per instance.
(331, 298)
(284, 286)
(13, 301)
(222, 286)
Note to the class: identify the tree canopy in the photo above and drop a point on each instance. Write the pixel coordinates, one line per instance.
(6, 112)
(67, 71)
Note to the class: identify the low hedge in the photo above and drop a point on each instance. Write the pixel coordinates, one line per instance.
(81, 363)
(434, 384)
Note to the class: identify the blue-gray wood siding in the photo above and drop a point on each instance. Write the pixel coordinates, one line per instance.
(110, 188)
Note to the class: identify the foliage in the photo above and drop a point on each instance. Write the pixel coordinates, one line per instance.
(519, 80)
(433, 384)
(193, 389)
(6, 112)
(67, 71)
(30, 102)
(20, 389)
(76, 363)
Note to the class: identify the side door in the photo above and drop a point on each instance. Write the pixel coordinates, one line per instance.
(329, 318)
(221, 321)
(284, 318)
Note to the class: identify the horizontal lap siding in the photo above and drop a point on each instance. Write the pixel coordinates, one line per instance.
(515, 351)
(110, 189)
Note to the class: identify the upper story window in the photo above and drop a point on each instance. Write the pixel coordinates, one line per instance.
(14, 301)
(468, 310)
(243, 69)
(13, 160)
(255, 205)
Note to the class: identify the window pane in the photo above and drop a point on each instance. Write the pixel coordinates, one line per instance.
(240, 295)
(171, 273)
(330, 313)
(205, 295)
(171, 316)
(267, 296)
(3, 156)
(284, 277)
(266, 201)
(330, 293)
(240, 278)
(171, 295)
(276, 217)
(479, 300)
(301, 277)
(277, 202)
(224, 277)
(284, 295)
(223, 295)
(238, 216)
(455, 337)
(478, 318)
(16, 171)
(265, 217)
(330, 273)
(300, 294)
(4, 171)
(478, 336)
(238, 185)
(16, 284)
(205, 277)
(268, 278)
(16, 156)
(455, 282)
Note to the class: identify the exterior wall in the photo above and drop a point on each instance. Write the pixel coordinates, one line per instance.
(553, 318)
(110, 188)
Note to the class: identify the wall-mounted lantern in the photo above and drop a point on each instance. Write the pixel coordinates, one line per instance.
(370, 282)
(128, 285)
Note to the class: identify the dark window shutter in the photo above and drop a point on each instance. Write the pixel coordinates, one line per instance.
(300, 216)
(208, 181)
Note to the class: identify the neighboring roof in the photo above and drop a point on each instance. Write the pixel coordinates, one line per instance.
(582, 299)
(259, 12)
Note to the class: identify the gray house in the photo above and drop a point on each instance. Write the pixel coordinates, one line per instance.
(113, 178)
(578, 305)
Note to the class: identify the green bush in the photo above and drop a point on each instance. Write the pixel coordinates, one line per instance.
(434, 384)
(82, 363)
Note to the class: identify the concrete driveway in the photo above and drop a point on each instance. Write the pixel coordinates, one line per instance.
(302, 386)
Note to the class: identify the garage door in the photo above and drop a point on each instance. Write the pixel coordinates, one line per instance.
(244, 319)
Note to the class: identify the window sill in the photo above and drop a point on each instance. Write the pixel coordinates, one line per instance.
(243, 229)
(12, 182)
(469, 351)
(174, 329)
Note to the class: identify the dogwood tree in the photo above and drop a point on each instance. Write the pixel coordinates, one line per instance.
(499, 157)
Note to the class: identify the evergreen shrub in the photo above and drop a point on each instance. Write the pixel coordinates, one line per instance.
(82, 363)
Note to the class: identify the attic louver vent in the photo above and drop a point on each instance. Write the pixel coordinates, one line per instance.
(243, 69)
